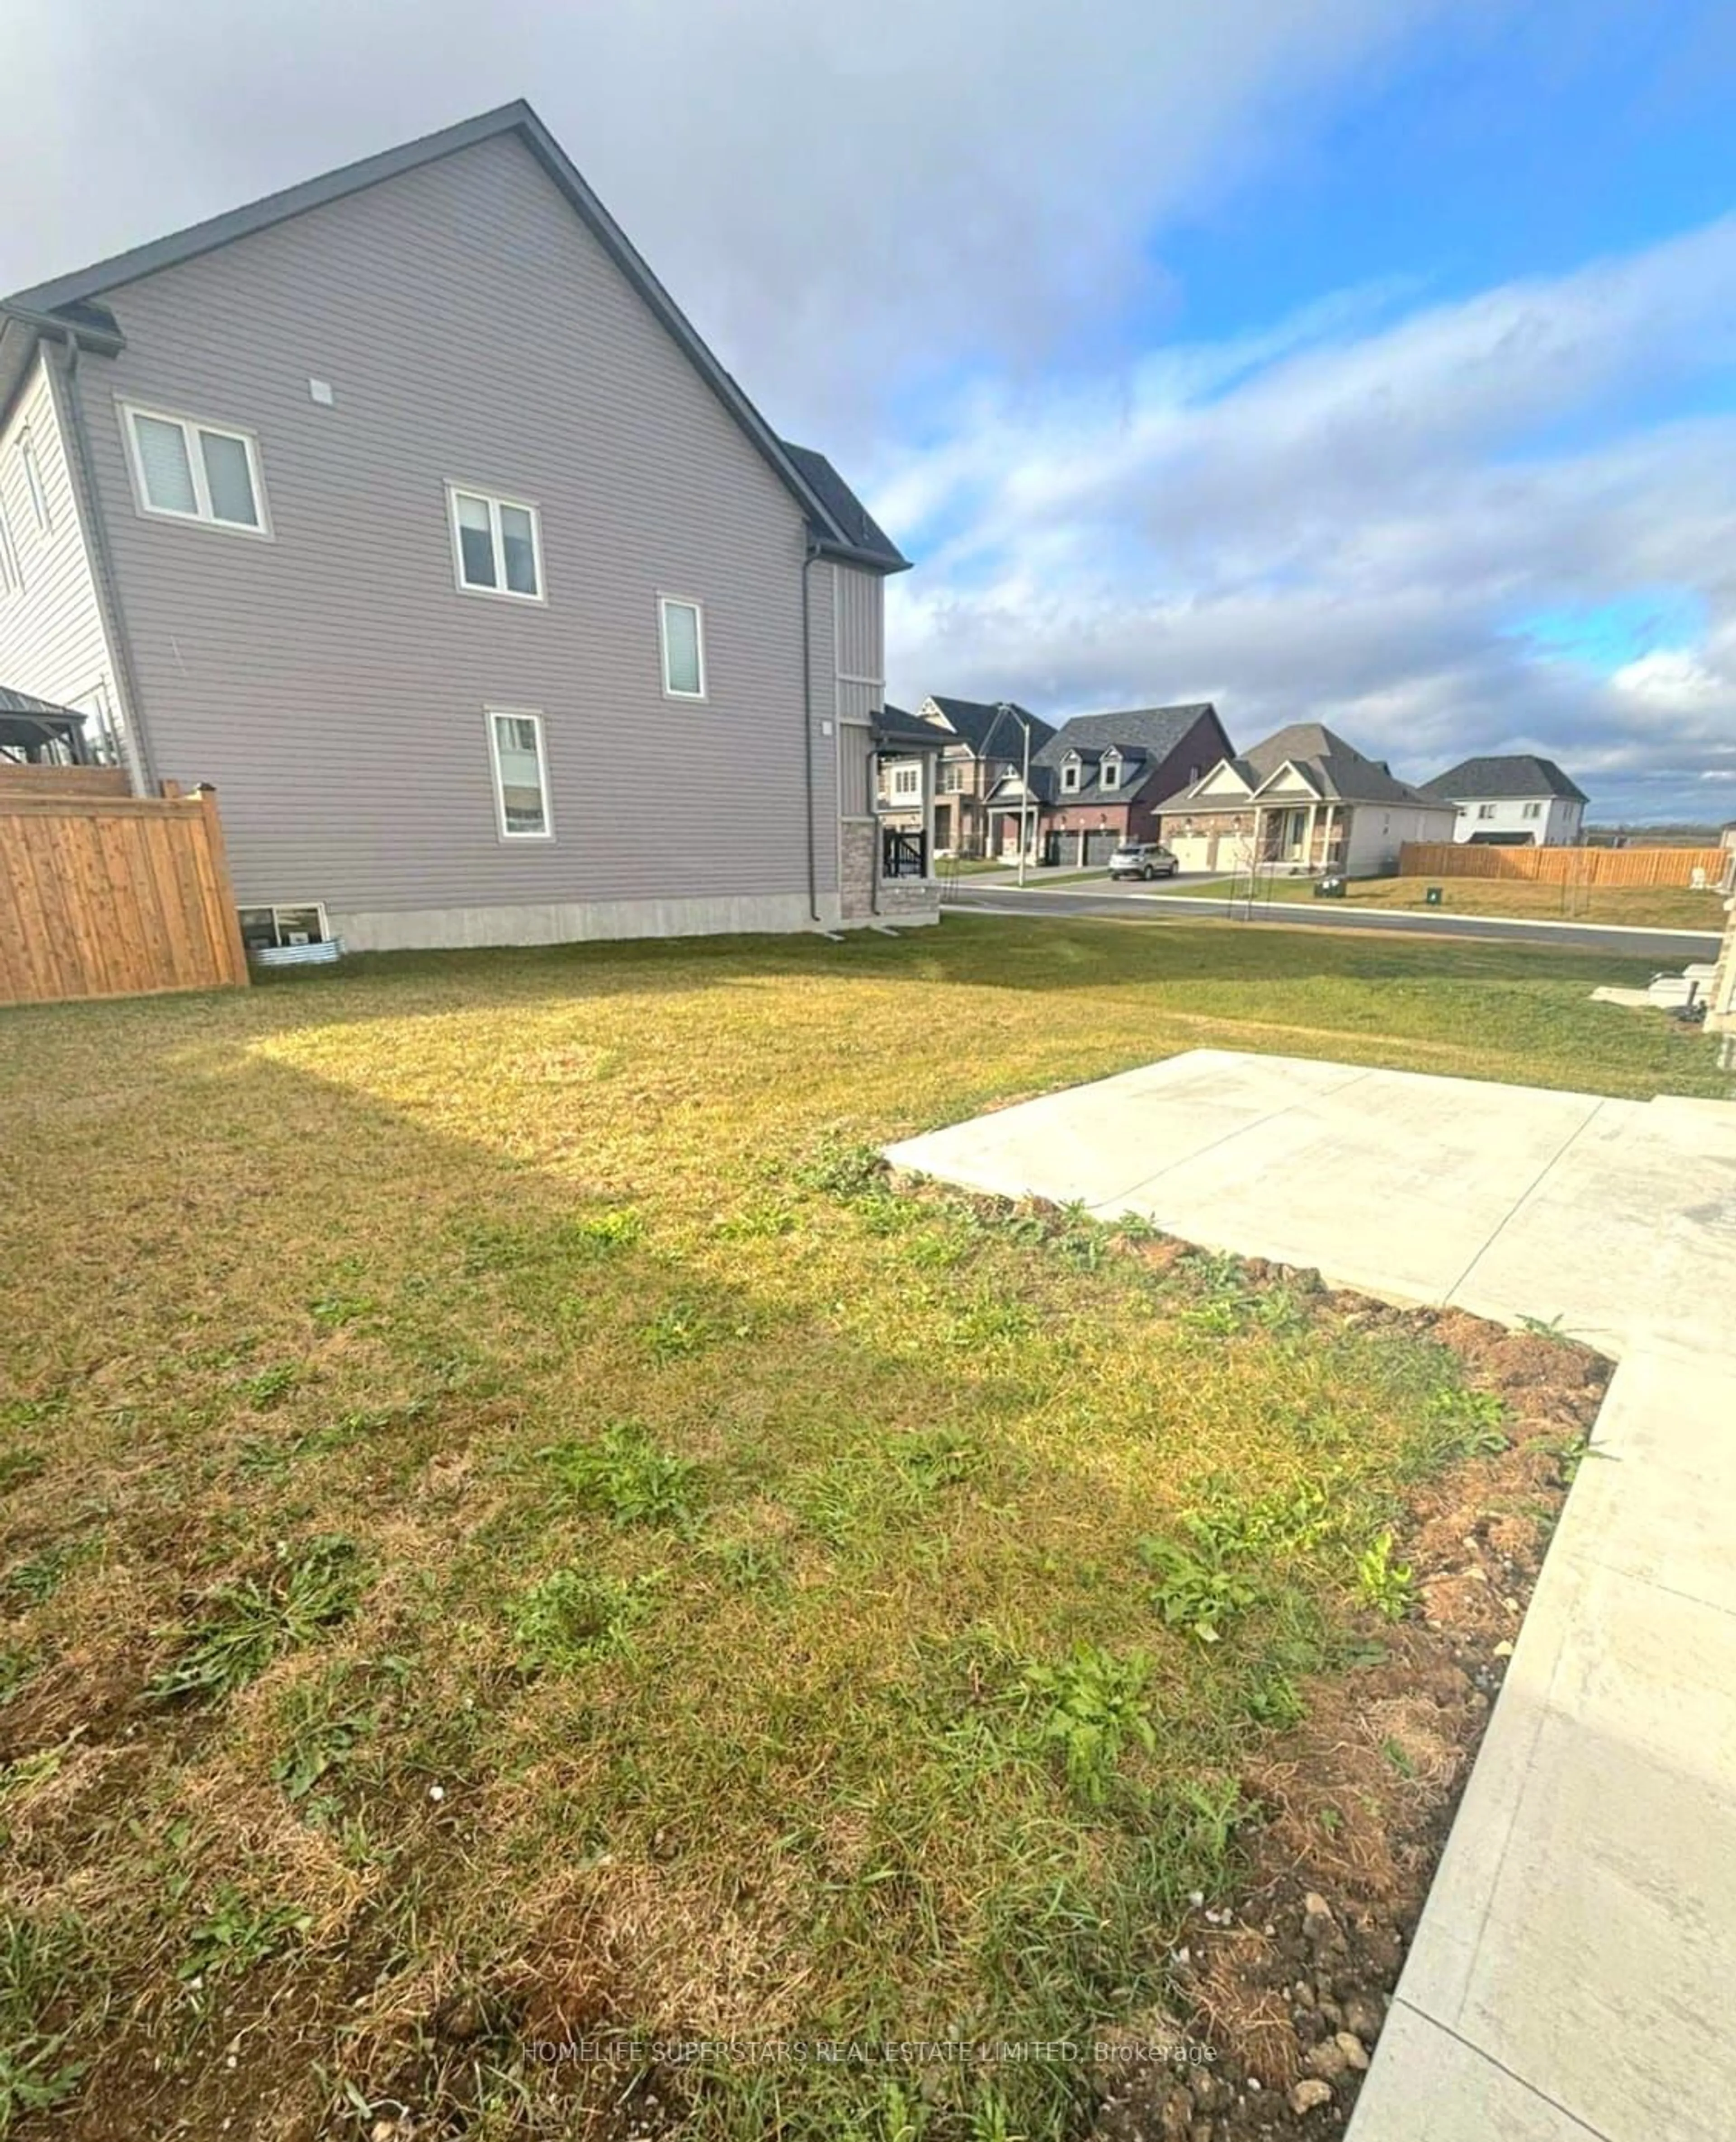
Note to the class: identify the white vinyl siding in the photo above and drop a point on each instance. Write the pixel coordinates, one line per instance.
(51, 640)
(33, 483)
(681, 629)
(11, 577)
(521, 773)
(185, 469)
(496, 544)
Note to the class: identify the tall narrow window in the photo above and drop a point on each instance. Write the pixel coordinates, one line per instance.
(521, 773)
(187, 471)
(34, 483)
(683, 648)
(497, 545)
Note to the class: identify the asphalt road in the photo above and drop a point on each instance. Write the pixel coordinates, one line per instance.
(1670, 948)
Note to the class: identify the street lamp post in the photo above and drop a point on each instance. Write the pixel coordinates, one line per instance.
(1024, 787)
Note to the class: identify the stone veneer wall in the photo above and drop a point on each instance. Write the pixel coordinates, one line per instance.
(855, 869)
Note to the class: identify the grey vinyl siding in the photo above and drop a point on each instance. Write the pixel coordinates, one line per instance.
(861, 627)
(331, 680)
(51, 639)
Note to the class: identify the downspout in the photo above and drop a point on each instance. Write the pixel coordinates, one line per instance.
(807, 733)
(108, 585)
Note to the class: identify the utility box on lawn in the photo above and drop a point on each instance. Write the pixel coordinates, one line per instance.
(1430, 896)
(1329, 888)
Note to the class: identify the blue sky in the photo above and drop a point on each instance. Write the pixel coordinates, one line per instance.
(1368, 361)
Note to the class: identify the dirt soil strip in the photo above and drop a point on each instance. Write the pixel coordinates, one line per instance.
(1285, 1992)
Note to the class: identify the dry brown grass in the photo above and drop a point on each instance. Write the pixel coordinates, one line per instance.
(351, 1258)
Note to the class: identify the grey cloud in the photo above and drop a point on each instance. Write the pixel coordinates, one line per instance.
(843, 198)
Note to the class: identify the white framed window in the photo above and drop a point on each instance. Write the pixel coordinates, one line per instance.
(1070, 778)
(1109, 772)
(1534, 810)
(265, 929)
(496, 544)
(1486, 810)
(184, 469)
(521, 773)
(906, 781)
(681, 631)
(34, 483)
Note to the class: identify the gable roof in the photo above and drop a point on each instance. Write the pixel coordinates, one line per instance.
(981, 722)
(1520, 774)
(1144, 737)
(66, 306)
(1336, 770)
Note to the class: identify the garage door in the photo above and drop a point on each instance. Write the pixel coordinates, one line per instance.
(1100, 846)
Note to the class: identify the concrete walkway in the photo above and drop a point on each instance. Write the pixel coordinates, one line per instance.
(1570, 1975)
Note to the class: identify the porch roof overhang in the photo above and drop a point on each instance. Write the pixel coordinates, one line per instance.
(900, 739)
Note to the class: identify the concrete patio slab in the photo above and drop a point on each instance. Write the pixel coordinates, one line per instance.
(1569, 1977)
(1431, 2087)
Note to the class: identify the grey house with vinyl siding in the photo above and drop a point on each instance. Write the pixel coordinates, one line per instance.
(406, 510)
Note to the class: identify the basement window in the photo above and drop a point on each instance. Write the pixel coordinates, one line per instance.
(265, 928)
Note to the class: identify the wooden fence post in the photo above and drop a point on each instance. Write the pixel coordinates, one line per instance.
(225, 893)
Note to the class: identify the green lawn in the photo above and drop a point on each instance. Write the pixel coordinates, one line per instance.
(510, 1529)
(1658, 907)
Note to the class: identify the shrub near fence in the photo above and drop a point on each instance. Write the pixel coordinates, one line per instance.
(1575, 866)
(109, 896)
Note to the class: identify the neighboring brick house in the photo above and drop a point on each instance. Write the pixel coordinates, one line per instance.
(1097, 780)
(985, 739)
(1302, 800)
(1516, 802)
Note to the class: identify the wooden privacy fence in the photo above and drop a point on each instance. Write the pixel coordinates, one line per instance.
(1575, 866)
(104, 894)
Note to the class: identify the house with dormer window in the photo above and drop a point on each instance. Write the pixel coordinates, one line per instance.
(1095, 782)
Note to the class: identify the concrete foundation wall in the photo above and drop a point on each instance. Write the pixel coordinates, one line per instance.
(560, 922)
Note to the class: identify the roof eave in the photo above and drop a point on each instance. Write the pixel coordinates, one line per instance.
(23, 328)
(851, 554)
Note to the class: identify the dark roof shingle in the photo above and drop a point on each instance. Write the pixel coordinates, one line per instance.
(1144, 737)
(981, 722)
(864, 531)
(1518, 775)
(1337, 770)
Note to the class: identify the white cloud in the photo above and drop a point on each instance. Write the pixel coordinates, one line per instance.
(1356, 527)
(1350, 513)
(843, 198)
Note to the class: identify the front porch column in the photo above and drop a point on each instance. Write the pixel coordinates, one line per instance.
(1308, 848)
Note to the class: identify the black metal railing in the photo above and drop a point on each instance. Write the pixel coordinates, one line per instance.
(903, 854)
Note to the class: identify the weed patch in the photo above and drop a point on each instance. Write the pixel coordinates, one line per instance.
(241, 1627)
(568, 1619)
(626, 1476)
